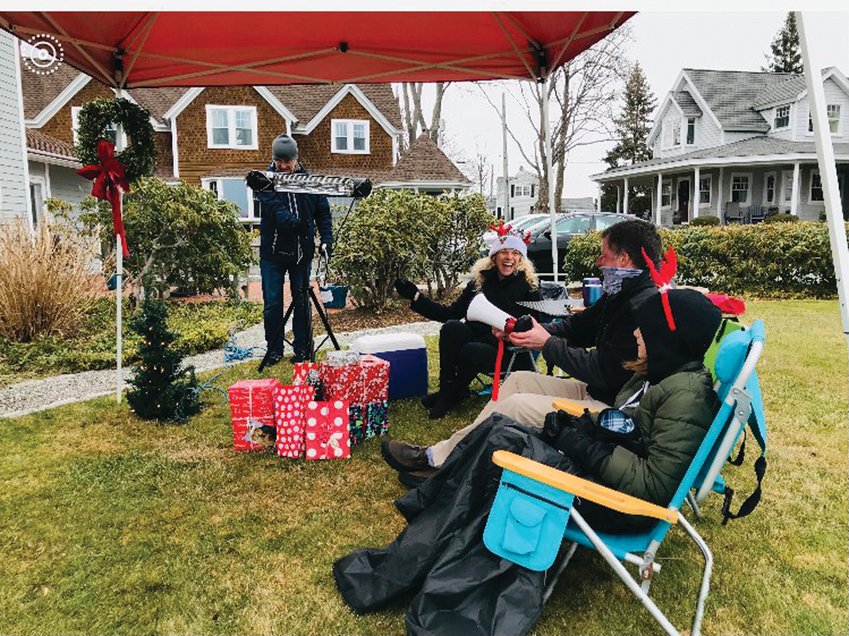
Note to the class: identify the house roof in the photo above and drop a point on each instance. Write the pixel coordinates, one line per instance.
(40, 90)
(39, 142)
(424, 161)
(687, 104)
(752, 147)
(306, 101)
(731, 95)
(157, 100)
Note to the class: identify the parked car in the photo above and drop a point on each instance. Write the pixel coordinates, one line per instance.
(572, 224)
(533, 223)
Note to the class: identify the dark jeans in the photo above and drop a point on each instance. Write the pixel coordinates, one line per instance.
(462, 356)
(273, 275)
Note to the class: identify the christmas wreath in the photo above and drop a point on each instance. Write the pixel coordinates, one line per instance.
(98, 116)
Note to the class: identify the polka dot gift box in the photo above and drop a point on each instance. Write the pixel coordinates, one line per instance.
(290, 407)
(326, 429)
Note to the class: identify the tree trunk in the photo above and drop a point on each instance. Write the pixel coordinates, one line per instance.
(409, 119)
(436, 116)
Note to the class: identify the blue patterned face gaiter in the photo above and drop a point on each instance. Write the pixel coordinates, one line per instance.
(613, 277)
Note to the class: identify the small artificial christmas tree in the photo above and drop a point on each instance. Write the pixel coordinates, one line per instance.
(163, 390)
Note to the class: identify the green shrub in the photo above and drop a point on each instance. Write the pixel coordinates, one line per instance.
(780, 261)
(705, 220)
(781, 218)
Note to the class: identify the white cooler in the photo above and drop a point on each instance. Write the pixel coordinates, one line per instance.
(407, 359)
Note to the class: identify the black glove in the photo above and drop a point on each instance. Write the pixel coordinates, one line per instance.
(405, 288)
(586, 451)
(257, 180)
(557, 421)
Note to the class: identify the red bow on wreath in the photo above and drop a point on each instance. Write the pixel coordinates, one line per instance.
(110, 180)
(662, 279)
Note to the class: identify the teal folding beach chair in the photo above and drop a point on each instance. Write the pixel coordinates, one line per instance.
(532, 513)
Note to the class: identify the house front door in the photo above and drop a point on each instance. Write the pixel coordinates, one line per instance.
(683, 213)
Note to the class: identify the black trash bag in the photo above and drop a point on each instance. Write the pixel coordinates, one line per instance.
(459, 586)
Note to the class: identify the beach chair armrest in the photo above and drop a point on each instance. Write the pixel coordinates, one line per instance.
(570, 407)
(582, 488)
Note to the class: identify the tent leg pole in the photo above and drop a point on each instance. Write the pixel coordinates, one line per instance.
(546, 128)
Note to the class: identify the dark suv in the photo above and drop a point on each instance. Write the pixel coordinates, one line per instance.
(572, 224)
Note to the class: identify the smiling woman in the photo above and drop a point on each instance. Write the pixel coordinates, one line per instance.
(505, 276)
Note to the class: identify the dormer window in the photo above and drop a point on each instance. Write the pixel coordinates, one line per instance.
(231, 127)
(782, 117)
(833, 112)
(691, 131)
(676, 132)
(350, 136)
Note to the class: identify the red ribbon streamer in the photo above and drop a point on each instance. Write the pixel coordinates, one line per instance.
(496, 379)
(110, 180)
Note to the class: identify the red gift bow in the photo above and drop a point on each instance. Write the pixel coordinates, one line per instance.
(110, 179)
(662, 279)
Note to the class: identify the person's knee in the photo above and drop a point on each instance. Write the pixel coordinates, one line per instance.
(452, 329)
(523, 408)
(516, 381)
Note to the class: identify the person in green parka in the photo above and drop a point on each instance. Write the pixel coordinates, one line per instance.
(645, 443)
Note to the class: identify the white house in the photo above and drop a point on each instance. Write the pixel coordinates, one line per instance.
(523, 193)
(741, 144)
(15, 194)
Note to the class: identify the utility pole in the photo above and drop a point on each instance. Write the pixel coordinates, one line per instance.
(507, 214)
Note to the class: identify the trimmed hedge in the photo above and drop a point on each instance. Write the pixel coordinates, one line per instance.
(782, 260)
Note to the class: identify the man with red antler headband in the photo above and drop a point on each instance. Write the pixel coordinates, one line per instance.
(590, 347)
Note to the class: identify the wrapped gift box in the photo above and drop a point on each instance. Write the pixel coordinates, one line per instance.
(357, 424)
(375, 379)
(251, 408)
(301, 370)
(377, 418)
(327, 434)
(343, 381)
(290, 403)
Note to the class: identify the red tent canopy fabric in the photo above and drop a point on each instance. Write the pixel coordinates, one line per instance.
(135, 49)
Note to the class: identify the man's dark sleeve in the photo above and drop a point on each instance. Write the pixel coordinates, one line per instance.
(601, 366)
(583, 327)
(276, 206)
(433, 310)
(324, 220)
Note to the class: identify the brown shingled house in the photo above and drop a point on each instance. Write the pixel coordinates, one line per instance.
(213, 136)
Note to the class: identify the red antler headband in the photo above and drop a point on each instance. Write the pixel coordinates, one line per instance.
(662, 279)
(503, 231)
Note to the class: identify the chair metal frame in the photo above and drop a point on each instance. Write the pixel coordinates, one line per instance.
(641, 549)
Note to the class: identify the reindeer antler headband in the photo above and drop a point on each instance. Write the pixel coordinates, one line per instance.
(662, 279)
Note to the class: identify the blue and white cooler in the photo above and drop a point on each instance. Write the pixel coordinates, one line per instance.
(407, 359)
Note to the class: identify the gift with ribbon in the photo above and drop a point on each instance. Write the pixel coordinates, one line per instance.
(290, 404)
(301, 370)
(110, 180)
(327, 435)
(252, 414)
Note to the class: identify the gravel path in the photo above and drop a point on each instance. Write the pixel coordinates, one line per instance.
(39, 395)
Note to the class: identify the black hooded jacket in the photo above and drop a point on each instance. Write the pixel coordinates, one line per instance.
(608, 325)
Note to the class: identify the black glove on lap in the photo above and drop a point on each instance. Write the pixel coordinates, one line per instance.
(587, 452)
(405, 288)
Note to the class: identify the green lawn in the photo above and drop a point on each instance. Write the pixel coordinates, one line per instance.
(111, 525)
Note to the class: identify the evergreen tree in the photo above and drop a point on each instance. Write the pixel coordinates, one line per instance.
(786, 56)
(163, 390)
(632, 131)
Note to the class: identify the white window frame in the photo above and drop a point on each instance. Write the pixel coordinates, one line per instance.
(664, 184)
(219, 193)
(349, 123)
(75, 114)
(811, 198)
(523, 191)
(676, 130)
(748, 175)
(786, 184)
(776, 189)
(709, 179)
(789, 108)
(838, 119)
(231, 127)
(687, 134)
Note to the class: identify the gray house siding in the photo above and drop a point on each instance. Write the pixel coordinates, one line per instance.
(833, 95)
(67, 185)
(13, 178)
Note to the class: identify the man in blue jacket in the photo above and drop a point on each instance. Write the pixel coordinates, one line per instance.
(287, 228)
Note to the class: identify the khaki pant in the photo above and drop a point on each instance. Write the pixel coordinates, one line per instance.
(526, 397)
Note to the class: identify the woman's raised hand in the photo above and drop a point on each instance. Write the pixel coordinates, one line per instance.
(405, 288)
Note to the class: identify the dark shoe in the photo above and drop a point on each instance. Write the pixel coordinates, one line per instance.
(446, 402)
(429, 400)
(272, 359)
(404, 457)
(297, 358)
(416, 478)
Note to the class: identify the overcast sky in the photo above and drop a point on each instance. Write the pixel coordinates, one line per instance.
(663, 43)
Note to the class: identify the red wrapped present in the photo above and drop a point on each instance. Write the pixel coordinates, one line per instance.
(375, 379)
(343, 381)
(252, 413)
(290, 404)
(327, 434)
(301, 370)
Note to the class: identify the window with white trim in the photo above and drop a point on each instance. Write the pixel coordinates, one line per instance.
(665, 194)
(523, 191)
(815, 193)
(740, 188)
(691, 131)
(704, 189)
(782, 117)
(676, 132)
(350, 136)
(770, 183)
(833, 113)
(235, 191)
(231, 127)
(111, 130)
(787, 186)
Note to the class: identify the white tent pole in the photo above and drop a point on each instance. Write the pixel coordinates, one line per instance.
(119, 275)
(828, 173)
(546, 127)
